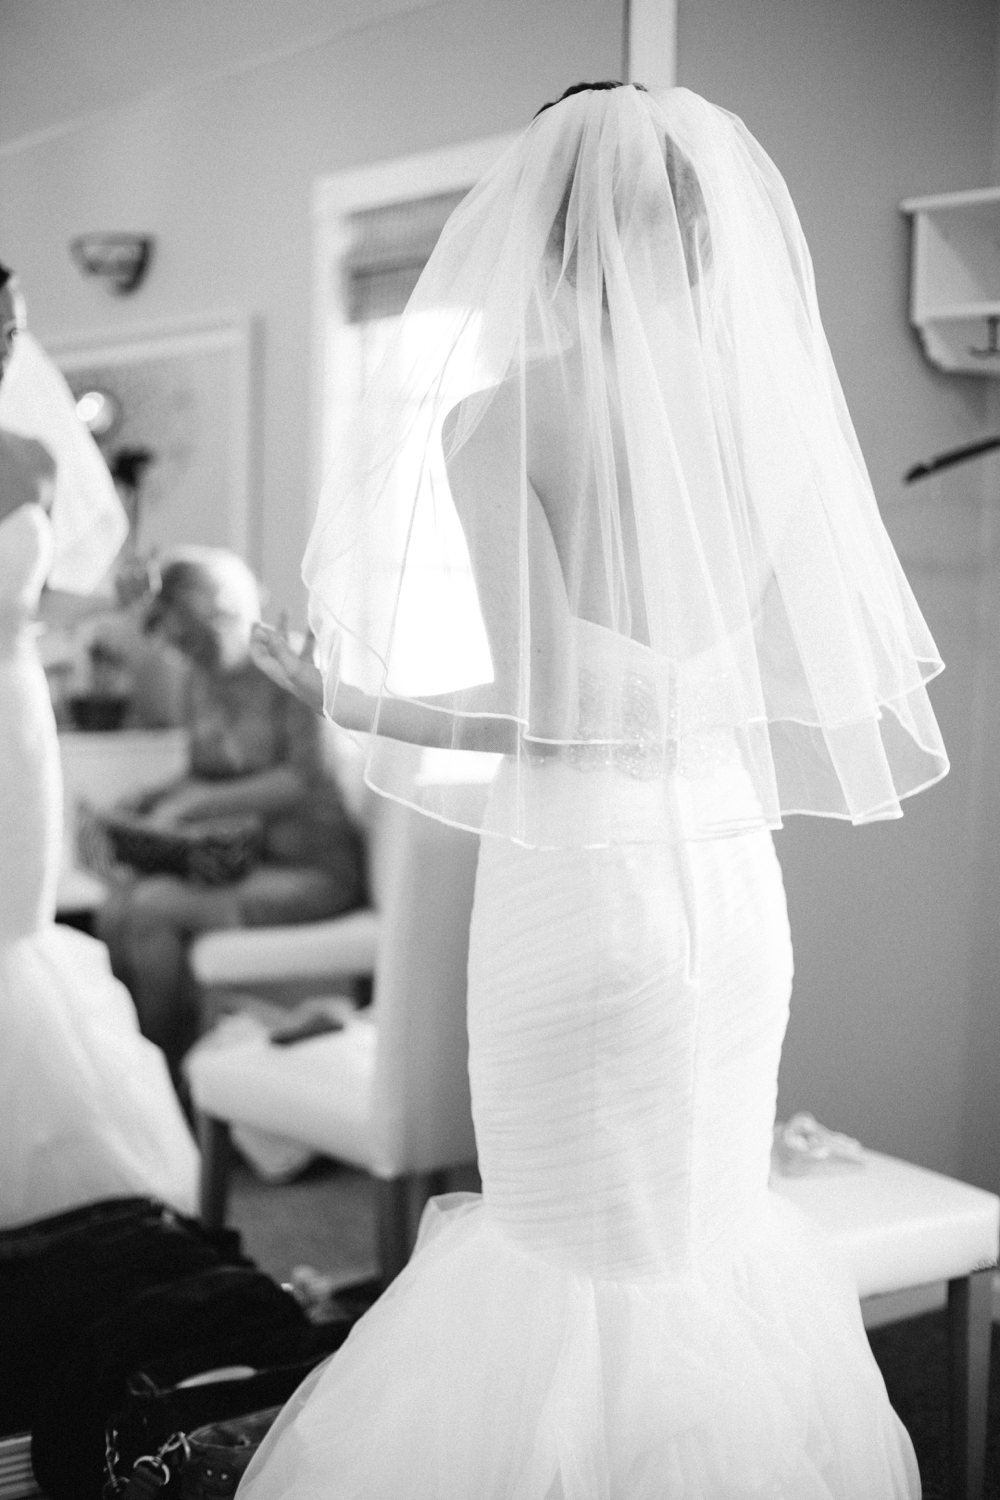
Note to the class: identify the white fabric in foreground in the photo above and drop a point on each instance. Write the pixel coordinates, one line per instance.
(88, 1107)
(610, 415)
(88, 522)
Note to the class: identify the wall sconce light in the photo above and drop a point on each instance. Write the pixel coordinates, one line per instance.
(100, 412)
(120, 260)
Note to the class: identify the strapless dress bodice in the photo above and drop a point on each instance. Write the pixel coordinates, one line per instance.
(646, 713)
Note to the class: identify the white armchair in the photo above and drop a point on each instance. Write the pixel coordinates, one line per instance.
(389, 1093)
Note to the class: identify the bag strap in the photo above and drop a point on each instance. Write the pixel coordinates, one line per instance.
(150, 1472)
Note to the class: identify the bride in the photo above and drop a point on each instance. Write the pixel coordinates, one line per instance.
(640, 563)
(88, 1108)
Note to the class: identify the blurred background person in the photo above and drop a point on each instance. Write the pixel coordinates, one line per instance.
(255, 753)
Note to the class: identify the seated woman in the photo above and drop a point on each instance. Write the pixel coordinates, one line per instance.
(253, 750)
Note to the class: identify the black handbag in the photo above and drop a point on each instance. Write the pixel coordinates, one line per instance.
(92, 1296)
(198, 1434)
(231, 1315)
(154, 1441)
(206, 1464)
(194, 1441)
(217, 1456)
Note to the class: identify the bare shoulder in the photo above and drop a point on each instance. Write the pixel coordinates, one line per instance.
(492, 418)
(506, 423)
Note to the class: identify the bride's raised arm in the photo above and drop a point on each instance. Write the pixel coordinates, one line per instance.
(483, 477)
(363, 713)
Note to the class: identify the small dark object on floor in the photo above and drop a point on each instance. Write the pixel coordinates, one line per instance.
(302, 1030)
(913, 1358)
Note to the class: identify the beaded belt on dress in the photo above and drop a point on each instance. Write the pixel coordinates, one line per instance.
(630, 736)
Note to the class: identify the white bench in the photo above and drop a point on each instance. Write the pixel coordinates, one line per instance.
(901, 1226)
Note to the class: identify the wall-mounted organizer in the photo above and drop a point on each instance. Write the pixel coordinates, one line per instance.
(955, 279)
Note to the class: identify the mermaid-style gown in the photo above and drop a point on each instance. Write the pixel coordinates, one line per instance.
(627, 1313)
(88, 1109)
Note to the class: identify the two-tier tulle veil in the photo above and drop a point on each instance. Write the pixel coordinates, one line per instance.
(621, 517)
(89, 523)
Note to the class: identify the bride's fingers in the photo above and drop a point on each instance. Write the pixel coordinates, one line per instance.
(271, 651)
(308, 688)
(279, 661)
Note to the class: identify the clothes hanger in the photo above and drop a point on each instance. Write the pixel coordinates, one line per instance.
(952, 457)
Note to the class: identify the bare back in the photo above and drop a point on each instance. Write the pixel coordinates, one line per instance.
(563, 466)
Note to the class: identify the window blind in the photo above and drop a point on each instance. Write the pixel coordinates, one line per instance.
(389, 248)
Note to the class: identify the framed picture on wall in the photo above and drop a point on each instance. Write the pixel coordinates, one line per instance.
(171, 407)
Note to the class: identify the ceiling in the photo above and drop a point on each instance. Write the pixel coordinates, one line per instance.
(62, 60)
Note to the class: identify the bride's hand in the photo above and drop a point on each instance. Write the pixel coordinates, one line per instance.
(274, 654)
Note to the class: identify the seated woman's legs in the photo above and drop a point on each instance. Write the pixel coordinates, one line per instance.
(147, 927)
(275, 895)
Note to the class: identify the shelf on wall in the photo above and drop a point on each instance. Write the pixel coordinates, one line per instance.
(962, 311)
(955, 278)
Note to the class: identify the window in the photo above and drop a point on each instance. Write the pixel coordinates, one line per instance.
(372, 244)
(389, 247)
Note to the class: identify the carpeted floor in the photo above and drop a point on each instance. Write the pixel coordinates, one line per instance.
(326, 1219)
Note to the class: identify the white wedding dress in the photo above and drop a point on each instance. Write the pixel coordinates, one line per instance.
(87, 1105)
(627, 1312)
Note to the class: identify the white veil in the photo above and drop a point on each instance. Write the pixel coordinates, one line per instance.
(611, 393)
(89, 524)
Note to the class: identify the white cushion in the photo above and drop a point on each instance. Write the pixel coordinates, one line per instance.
(899, 1225)
(308, 950)
(318, 1091)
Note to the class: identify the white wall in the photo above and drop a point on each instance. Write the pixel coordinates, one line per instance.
(220, 170)
(895, 1013)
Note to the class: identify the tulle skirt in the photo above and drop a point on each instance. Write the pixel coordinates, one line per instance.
(484, 1373)
(627, 1313)
(89, 1111)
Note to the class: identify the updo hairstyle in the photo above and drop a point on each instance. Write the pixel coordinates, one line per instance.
(689, 201)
